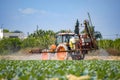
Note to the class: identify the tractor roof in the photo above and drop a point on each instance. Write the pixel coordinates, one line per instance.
(65, 34)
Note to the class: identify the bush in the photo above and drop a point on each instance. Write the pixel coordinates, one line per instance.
(9, 45)
(41, 39)
(40, 42)
(113, 52)
(112, 46)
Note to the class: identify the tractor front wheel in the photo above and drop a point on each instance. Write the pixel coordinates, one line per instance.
(61, 53)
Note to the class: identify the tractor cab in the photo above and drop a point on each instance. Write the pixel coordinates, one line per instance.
(63, 38)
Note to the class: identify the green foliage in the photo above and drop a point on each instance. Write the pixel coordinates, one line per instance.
(29, 42)
(116, 44)
(97, 35)
(5, 30)
(76, 31)
(42, 33)
(48, 70)
(40, 38)
(64, 31)
(105, 43)
(9, 45)
(112, 46)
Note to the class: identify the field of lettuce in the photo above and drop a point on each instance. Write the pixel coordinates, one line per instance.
(59, 70)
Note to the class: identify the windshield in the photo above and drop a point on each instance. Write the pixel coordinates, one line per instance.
(63, 39)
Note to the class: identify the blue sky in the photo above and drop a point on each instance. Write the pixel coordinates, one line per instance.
(25, 15)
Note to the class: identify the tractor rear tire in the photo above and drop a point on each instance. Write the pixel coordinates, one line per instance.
(60, 54)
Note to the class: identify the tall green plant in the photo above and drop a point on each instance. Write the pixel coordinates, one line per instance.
(76, 31)
(105, 43)
(40, 38)
(116, 44)
(9, 45)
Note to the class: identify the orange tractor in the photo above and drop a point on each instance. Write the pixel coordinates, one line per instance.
(71, 45)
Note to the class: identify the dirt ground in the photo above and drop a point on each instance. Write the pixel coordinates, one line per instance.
(94, 55)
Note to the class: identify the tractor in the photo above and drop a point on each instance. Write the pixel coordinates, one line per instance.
(71, 46)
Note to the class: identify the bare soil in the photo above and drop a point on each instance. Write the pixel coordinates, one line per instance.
(94, 55)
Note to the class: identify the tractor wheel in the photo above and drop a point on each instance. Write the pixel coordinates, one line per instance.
(78, 56)
(45, 55)
(82, 56)
(69, 57)
(60, 54)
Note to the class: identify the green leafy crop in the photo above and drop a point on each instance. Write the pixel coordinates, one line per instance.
(46, 70)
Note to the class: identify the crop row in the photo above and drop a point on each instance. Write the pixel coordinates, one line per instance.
(41, 70)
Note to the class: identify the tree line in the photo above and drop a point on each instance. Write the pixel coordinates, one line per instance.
(43, 39)
(40, 38)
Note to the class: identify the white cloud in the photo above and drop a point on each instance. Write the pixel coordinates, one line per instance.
(28, 11)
